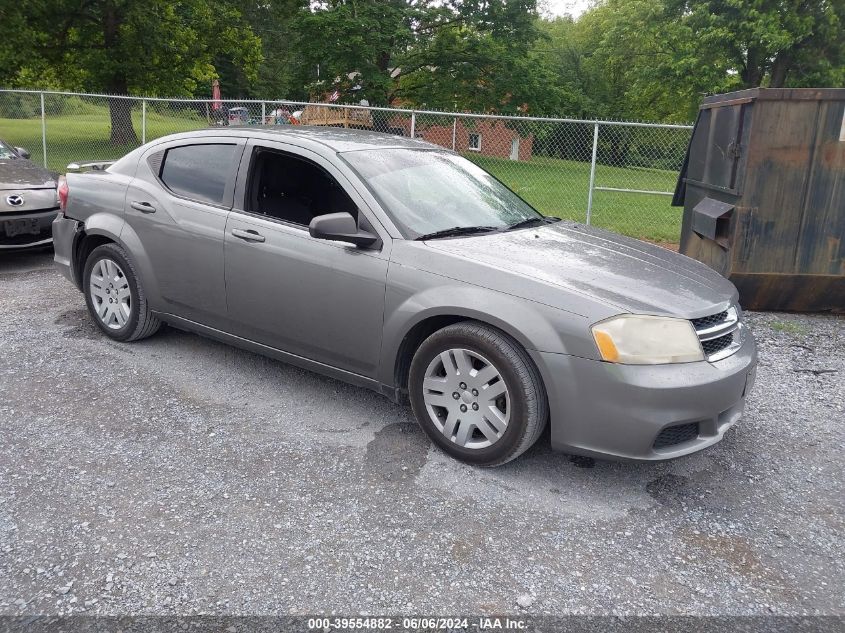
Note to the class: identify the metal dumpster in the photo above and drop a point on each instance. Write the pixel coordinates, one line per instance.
(763, 191)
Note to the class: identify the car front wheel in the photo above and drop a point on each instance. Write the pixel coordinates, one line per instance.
(477, 394)
(114, 295)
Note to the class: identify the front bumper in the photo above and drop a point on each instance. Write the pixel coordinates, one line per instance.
(617, 411)
(26, 229)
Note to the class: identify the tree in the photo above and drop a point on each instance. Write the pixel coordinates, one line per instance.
(631, 59)
(277, 75)
(660, 56)
(441, 53)
(125, 46)
(771, 42)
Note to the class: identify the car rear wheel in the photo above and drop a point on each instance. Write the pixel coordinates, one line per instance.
(477, 394)
(114, 295)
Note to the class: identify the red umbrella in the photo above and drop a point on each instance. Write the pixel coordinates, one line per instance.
(216, 104)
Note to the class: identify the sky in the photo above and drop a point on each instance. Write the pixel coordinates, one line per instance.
(562, 7)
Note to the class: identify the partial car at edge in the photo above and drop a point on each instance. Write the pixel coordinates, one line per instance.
(395, 265)
(28, 202)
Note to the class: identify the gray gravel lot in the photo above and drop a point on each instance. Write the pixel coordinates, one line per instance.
(179, 475)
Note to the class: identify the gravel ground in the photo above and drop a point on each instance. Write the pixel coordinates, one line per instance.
(182, 476)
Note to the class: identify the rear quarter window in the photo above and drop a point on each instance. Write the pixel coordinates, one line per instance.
(199, 172)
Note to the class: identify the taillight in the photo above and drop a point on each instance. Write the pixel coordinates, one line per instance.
(62, 192)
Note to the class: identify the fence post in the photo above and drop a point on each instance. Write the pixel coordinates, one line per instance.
(413, 124)
(143, 121)
(43, 131)
(263, 113)
(592, 172)
(454, 131)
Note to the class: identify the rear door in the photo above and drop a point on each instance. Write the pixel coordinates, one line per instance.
(313, 298)
(177, 207)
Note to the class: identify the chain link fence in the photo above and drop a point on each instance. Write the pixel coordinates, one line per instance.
(616, 175)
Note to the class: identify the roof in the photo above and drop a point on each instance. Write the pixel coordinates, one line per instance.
(776, 94)
(336, 138)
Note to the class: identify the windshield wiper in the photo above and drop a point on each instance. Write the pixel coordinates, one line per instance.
(530, 222)
(456, 230)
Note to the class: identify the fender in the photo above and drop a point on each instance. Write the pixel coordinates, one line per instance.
(535, 326)
(101, 224)
(116, 229)
(135, 248)
(106, 224)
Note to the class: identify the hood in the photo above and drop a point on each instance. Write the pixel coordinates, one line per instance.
(19, 173)
(619, 271)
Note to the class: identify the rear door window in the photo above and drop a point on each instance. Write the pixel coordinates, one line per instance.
(199, 172)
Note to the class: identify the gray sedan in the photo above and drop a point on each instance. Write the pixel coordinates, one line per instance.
(399, 266)
(28, 201)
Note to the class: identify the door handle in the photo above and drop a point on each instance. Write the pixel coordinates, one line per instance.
(143, 207)
(249, 236)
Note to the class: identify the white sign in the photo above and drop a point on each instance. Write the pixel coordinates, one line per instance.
(842, 131)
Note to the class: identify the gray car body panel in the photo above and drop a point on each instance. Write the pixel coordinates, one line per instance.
(326, 286)
(18, 173)
(591, 266)
(180, 235)
(36, 187)
(611, 410)
(345, 311)
(97, 201)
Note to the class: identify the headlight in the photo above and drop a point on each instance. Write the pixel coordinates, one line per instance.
(647, 340)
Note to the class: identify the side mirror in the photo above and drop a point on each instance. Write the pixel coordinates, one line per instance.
(340, 227)
(22, 152)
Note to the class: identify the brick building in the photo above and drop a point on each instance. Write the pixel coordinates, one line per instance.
(488, 137)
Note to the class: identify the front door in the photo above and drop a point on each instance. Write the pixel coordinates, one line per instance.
(317, 299)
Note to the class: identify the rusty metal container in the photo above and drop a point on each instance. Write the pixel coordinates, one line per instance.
(763, 191)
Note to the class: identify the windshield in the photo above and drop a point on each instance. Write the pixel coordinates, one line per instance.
(428, 191)
(6, 152)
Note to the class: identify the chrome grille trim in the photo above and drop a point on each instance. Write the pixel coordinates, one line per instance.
(706, 321)
(729, 325)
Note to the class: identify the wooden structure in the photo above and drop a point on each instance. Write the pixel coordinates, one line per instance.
(763, 190)
(337, 117)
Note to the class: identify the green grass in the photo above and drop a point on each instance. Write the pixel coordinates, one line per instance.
(560, 188)
(790, 327)
(555, 187)
(81, 137)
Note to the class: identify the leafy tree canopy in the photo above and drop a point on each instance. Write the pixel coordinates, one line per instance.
(655, 59)
(640, 59)
(125, 46)
(467, 54)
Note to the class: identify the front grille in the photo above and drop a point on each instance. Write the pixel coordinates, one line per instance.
(672, 435)
(715, 345)
(709, 321)
(719, 333)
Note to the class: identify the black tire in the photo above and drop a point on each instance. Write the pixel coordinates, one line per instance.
(141, 322)
(529, 404)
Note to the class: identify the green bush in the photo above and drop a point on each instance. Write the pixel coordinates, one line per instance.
(19, 105)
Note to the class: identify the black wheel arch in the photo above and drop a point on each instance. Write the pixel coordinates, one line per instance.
(83, 246)
(424, 328)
